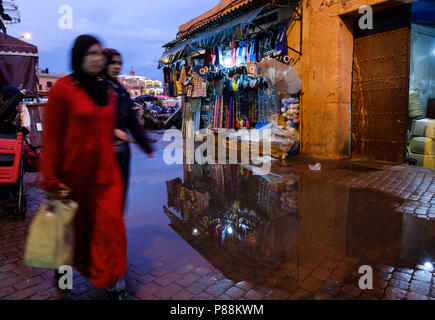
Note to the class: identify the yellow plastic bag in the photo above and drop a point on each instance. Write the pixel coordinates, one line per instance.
(50, 240)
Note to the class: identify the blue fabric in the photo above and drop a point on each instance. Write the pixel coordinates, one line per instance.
(231, 31)
(423, 12)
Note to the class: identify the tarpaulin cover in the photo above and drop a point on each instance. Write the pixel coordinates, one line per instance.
(18, 61)
(231, 31)
(280, 76)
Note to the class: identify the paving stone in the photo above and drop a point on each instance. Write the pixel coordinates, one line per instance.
(188, 279)
(203, 271)
(321, 273)
(40, 296)
(420, 287)
(402, 276)
(10, 281)
(225, 283)
(323, 296)
(185, 269)
(21, 294)
(245, 285)
(380, 283)
(203, 296)
(8, 267)
(146, 291)
(28, 283)
(196, 288)
(395, 293)
(235, 293)
(6, 291)
(79, 290)
(147, 278)
(403, 285)
(224, 297)
(182, 295)
(416, 296)
(421, 275)
(207, 281)
(159, 272)
(312, 284)
(365, 296)
(215, 290)
(255, 295)
(31, 273)
(277, 294)
(168, 291)
(384, 268)
(300, 294)
(167, 279)
(381, 276)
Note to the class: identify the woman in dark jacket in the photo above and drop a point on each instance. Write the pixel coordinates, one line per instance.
(126, 118)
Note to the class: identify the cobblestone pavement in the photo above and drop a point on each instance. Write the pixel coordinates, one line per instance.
(347, 215)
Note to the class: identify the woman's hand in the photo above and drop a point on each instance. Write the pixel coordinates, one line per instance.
(61, 192)
(121, 135)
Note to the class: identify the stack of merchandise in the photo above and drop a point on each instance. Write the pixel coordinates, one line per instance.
(290, 112)
(422, 145)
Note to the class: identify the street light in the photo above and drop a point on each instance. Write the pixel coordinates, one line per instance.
(26, 36)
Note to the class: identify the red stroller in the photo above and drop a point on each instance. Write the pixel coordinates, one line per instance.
(11, 171)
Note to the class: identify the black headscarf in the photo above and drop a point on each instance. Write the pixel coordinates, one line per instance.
(94, 87)
(109, 54)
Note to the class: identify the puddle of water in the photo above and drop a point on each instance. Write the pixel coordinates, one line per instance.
(261, 229)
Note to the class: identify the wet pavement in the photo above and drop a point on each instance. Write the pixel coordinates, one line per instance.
(220, 232)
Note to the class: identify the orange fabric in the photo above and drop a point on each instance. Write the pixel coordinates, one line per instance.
(78, 152)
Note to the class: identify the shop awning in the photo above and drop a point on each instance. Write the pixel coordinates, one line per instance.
(231, 31)
(175, 53)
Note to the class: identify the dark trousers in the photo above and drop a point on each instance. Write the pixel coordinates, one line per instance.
(123, 154)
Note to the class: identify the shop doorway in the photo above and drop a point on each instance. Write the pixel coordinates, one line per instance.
(380, 87)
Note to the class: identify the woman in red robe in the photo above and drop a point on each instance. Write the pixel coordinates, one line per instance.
(78, 153)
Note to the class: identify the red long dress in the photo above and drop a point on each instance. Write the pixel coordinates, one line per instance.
(78, 151)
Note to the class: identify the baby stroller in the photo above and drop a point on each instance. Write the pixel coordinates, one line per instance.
(11, 162)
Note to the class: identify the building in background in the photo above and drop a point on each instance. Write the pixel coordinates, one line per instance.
(47, 80)
(139, 85)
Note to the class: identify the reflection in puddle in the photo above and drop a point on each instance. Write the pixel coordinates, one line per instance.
(241, 223)
(277, 230)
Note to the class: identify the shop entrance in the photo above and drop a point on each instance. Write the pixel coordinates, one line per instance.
(380, 85)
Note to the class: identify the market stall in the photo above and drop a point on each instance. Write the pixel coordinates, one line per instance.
(238, 75)
(18, 62)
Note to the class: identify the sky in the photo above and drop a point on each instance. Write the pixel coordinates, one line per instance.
(136, 28)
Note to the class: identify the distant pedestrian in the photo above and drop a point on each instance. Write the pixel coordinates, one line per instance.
(14, 115)
(125, 117)
(78, 155)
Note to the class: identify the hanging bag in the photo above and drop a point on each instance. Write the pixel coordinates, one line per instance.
(50, 240)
